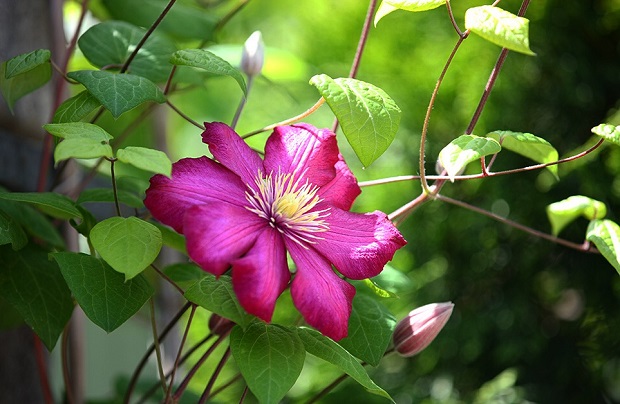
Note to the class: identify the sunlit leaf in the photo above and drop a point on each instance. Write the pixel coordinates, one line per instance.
(110, 43)
(24, 63)
(14, 88)
(322, 347)
(101, 292)
(368, 116)
(465, 149)
(377, 290)
(415, 5)
(146, 159)
(270, 358)
(370, 329)
(605, 235)
(562, 213)
(129, 245)
(209, 62)
(217, 296)
(76, 108)
(608, 132)
(51, 203)
(528, 145)
(34, 286)
(383, 10)
(500, 27)
(11, 232)
(119, 93)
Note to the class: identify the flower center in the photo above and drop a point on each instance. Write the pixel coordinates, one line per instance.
(286, 203)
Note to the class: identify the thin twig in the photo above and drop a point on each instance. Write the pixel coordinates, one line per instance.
(167, 279)
(288, 121)
(216, 373)
(160, 368)
(180, 352)
(182, 115)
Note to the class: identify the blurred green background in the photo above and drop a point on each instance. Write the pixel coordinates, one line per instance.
(533, 321)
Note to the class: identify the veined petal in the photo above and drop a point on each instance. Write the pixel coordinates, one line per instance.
(218, 233)
(302, 148)
(231, 151)
(343, 189)
(319, 294)
(194, 181)
(359, 245)
(262, 274)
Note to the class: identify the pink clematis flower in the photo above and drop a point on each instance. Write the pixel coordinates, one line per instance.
(245, 213)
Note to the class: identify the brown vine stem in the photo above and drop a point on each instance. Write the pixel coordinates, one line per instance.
(289, 121)
(182, 115)
(216, 373)
(160, 369)
(361, 44)
(179, 353)
(584, 247)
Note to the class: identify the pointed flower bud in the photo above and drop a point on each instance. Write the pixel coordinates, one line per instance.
(220, 325)
(253, 55)
(416, 331)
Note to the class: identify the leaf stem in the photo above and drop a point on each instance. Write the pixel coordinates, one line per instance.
(114, 189)
(178, 358)
(187, 118)
(244, 99)
(167, 279)
(160, 368)
(289, 121)
(216, 373)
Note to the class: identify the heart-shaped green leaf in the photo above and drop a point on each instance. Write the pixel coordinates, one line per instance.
(24, 63)
(463, 150)
(129, 245)
(368, 116)
(81, 140)
(51, 203)
(11, 232)
(605, 235)
(17, 86)
(608, 132)
(562, 213)
(500, 27)
(76, 108)
(209, 62)
(146, 159)
(528, 145)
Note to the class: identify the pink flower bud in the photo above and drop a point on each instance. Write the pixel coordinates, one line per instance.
(416, 331)
(253, 54)
(219, 325)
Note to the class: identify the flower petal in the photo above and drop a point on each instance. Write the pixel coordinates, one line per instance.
(319, 294)
(218, 233)
(302, 147)
(343, 189)
(194, 181)
(229, 149)
(359, 245)
(262, 274)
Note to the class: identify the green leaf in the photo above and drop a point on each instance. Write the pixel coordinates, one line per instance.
(34, 286)
(217, 296)
(383, 10)
(76, 108)
(111, 42)
(107, 195)
(270, 358)
(608, 132)
(528, 145)
(101, 292)
(500, 27)
(129, 245)
(53, 204)
(81, 140)
(182, 21)
(119, 93)
(185, 275)
(562, 213)
(24, 63)
(605, 235)
(465, 149)
(35, 223)
(146, 159)
(322, 347)
(209, 62)
(14, 88)
(415, 5)
(378, 290)
(370, 329)
(368, 116)
(86, 224)
(171, 238)
(11, 232)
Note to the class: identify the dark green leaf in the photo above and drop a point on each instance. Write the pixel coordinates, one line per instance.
(528, 145)
(368, 116)
(36, 224)
(129, 245)
(182, 21)
(171, 238)
(118, 92)
(322, 347)
(217, 296)
(11, 232)
(562, 213)
(500, 27)
(146, 159)
(209, 62)
(270, 358)
(85, 225)
(51, 203)
(370, 329)
(107, 195)
(608, 132)
(26, 62)
(465, 149)
(111, 42)
(100, 291)
(16, 87)
(76, 108)
(605, 235)
(34, 286)
(185, 275)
